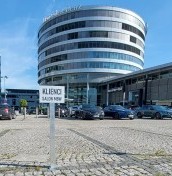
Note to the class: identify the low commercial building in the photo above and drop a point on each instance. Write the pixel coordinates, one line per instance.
(149, 86)
(15, 95)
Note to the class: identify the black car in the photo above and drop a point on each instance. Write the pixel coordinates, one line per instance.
(72, 110)
(7, 112)
(45, 111)
(32, 110)
(118, 112)
(88, 111)
(64, 112)
(154, 111)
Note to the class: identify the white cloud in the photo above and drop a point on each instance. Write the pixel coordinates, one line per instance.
(18, 54)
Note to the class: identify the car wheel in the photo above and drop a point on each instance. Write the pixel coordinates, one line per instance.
(139, 115)
(83, 116)
(158, 115)
(80, 115)
(76, 115)
(10, 117)
(14, 116)
(116, 116)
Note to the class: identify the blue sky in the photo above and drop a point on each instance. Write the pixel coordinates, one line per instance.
(21, 19)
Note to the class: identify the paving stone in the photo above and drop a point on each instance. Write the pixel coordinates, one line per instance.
(87, 147)
(37, 173)
(28, 173)
(80, 174)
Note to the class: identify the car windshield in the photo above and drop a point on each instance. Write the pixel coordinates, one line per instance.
(118, 107)
(88, 106)
(74, 107)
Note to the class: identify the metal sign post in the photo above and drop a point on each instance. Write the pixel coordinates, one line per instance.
(52, 136)
(52, 95)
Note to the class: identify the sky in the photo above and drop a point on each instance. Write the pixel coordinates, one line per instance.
(20, 21)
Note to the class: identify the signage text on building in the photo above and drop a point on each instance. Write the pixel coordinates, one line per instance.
(115, 89)
(62, 12)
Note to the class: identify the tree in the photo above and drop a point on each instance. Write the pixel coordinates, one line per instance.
(23, 104)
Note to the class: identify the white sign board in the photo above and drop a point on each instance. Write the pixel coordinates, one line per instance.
(51, 94)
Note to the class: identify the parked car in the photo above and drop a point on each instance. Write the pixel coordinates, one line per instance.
(88, 111)
(72, 110)
(118, 112)
(32, 110)
(154, 111)
(64, 112)
(45, 111)
(7, 112)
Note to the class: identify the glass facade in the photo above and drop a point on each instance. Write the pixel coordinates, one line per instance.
(92, 13)
(92, 23)
(91, 54)
(79, 48)
(88, 34)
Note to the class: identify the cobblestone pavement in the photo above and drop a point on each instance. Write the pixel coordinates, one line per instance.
(140, 147)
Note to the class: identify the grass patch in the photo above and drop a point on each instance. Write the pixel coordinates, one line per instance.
(160, 174)
(160, 152)
(7, 155)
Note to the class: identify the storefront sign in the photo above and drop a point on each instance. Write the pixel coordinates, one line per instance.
(115, 89)
(51, 94)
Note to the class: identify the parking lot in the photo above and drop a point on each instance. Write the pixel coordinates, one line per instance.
(86, 147)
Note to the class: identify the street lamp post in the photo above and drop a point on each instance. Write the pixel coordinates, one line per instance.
(5, 93)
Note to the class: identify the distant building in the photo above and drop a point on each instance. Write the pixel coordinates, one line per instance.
(80, 47)
(15, 95)
(149, 86)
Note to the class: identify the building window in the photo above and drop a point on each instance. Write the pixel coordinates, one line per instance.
(73, 35)
(132, 39)
(164, 74)
(132, 29)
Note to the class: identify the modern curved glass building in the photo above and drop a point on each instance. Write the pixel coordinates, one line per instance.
(83, 46)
